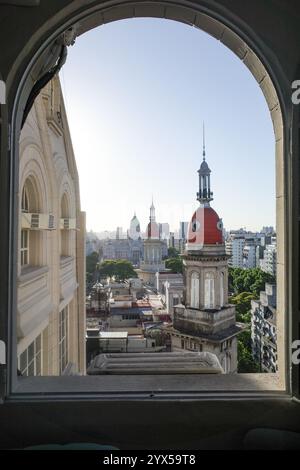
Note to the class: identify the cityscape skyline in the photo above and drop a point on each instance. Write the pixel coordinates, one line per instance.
(113, 230)
(154, 138)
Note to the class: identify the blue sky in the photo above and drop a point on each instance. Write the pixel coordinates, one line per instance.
(136, 93)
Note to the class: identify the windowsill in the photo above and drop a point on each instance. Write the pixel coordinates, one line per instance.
(29, 273)
(174, 387)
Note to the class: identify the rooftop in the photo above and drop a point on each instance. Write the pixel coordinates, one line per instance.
(113, 334)
(155, 363)
(130, 310)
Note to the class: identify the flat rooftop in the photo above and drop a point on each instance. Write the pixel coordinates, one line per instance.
(155, 363)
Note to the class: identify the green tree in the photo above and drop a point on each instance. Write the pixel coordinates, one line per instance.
(248, 280)
(246, 363)
(161, 337)
(173, 252)
(120, 269)
(242, 304)
(175, 264)
(92, 261)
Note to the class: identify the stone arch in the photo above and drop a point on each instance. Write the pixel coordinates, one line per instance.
(67, 191)
(224, 26)
(67, 210)
(33, 195)
(64, 206)
(30, 241)
(32, 166)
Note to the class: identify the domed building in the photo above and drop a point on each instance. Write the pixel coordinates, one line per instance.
(206, 321)
(134, 232)
(152, 263)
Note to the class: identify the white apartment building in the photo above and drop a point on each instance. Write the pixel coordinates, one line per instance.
(264, 329)
(164, 231)
(234, 248)
(183, 230)
(249, 254)
(51, 261)
(268, 263)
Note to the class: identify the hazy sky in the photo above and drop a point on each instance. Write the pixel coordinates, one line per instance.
(137, 92)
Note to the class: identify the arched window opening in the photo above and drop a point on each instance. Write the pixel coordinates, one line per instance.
(209, 291)
(211, 285)
(30, 237)
(195, 288)
(221, 289)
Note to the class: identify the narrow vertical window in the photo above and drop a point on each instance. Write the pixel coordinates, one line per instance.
(209, 296)
(195, 290)
(24, 232)
(63, 339)
(222, 289)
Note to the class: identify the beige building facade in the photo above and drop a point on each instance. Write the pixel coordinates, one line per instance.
(51, 258)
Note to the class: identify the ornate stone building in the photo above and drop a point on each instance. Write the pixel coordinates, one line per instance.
(153, 247)
(206, 322)
(51, 258)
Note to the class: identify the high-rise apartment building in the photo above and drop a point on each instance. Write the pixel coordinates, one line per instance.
(234, 249)
(183, 230)
(264, 329)
(269, 260)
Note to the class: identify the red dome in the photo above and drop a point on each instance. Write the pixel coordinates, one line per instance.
(205, 228)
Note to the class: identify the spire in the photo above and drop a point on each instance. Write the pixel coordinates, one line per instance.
(152, 211)
(204, 195)
(203, 134)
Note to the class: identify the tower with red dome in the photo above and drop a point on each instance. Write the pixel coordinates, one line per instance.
(152, 262)
(206, 321)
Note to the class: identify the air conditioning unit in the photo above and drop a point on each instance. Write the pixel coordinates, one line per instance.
(68, 224)
(37, 221)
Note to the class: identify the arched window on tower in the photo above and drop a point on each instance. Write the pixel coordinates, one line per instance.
(195, 288)
(222, 289)
(209, 291)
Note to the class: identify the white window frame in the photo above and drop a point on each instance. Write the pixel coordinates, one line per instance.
(63, 339)
(209, 291)
(24, 249)
(222, 283)
(195, 290)
(33, 362)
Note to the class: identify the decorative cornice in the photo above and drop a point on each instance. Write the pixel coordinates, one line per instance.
(205, 257)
